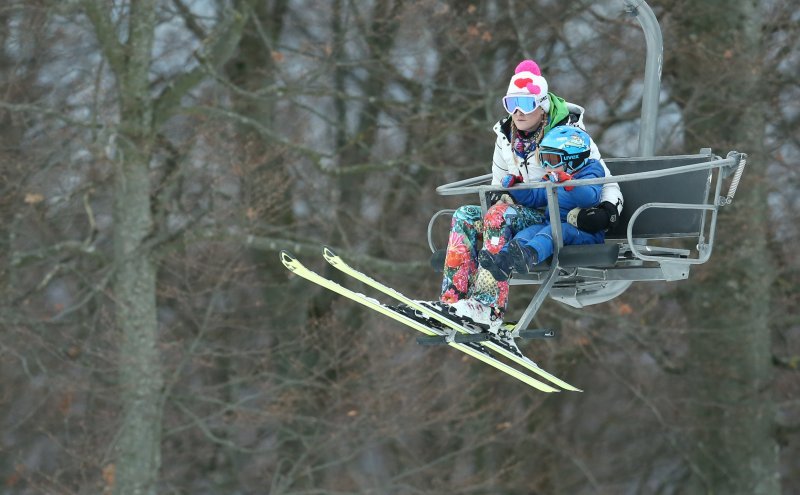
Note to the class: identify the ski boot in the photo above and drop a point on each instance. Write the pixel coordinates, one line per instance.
(514, 257)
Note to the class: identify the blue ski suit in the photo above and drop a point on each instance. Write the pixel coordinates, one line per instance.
(540, 236)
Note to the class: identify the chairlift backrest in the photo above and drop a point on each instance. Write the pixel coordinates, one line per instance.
(688, 188)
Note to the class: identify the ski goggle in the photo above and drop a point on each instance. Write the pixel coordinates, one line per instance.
(555, 158)
(526, 104)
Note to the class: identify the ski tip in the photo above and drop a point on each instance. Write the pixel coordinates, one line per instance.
(328, 252)
(566, 386)
(286, 258)
(561, 383)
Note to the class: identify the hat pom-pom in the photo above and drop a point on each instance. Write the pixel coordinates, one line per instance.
(528, 66)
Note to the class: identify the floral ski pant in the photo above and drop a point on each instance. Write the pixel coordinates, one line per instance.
(463, 277)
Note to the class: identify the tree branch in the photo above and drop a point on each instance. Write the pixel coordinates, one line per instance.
(312, 249)
(220, 44)
(189, 19)
(299, 248)
(98, 15)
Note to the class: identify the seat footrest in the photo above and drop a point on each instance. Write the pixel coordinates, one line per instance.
(594, 255)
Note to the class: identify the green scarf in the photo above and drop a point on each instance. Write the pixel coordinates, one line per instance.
(558, 111)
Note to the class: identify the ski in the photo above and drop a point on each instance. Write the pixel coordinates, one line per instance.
(506, 348)
(299, 269)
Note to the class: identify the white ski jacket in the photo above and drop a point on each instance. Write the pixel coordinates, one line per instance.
(505, 161)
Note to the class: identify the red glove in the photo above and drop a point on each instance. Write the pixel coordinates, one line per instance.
(509, 180)
(558, 176)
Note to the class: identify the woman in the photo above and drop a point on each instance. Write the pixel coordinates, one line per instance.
(470, 290)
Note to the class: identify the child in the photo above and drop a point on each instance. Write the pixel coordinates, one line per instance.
(564, 153)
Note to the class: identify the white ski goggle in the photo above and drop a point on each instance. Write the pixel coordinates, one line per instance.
(525, 104)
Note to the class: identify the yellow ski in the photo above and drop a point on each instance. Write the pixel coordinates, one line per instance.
(296, 267)
(337, 262)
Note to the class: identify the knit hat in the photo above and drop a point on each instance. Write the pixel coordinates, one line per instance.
(528, 81)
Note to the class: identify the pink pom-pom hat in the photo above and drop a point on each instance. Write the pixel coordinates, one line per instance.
(528, 81)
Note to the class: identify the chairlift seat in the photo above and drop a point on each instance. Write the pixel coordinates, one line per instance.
(666, 197)
(686, 188)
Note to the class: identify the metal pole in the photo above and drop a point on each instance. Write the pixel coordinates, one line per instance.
(652, 73)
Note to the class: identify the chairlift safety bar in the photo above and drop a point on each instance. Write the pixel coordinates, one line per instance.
(734, 161)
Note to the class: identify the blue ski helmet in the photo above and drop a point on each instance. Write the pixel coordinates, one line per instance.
(565, 145)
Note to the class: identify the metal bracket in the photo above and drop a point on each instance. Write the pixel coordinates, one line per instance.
(674, 270)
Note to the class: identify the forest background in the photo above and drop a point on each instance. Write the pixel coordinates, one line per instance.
(155, 157)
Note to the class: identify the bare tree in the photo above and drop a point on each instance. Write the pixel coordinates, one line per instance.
(142, 113)
(730, 354)
(253, 127)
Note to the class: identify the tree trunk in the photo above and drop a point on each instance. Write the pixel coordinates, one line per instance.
(141, 378)
(138, 451)
(731, 447)
(138, 456)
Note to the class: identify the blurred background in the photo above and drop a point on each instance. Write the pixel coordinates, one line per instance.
(155, 157)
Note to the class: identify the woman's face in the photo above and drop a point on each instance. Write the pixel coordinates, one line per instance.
(527, 122)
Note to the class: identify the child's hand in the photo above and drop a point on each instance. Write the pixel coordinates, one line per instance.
(558, 176)
(509, 180)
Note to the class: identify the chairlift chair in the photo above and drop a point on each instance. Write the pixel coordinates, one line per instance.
(666, 197)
